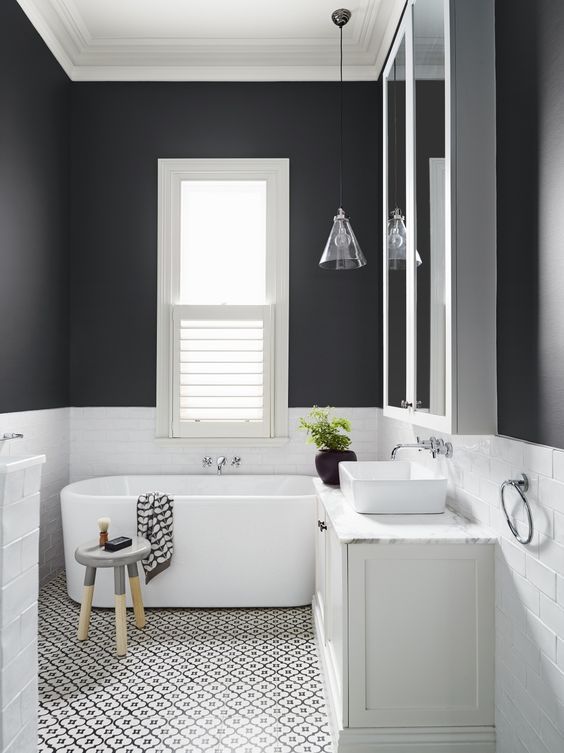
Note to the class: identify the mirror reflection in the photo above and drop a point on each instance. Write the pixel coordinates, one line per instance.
(396, 238)
(429, 74)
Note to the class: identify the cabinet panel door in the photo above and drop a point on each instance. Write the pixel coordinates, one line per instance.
(421, 635)
(320, 545)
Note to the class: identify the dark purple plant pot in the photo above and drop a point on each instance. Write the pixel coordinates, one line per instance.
(327, 464)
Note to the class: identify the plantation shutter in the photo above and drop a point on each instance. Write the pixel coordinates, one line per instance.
(222, 371)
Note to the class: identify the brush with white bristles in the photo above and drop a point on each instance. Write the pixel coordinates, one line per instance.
(103, 525)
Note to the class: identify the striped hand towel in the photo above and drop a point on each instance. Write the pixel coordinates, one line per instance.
(155, 523)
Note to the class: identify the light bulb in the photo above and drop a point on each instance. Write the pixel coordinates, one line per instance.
(395, 238)
(342, 239)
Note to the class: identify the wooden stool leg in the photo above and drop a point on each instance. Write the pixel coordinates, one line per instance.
(135, 586)
(86, 606)
(121, 623)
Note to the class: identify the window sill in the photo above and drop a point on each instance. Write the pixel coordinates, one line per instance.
(221, 442)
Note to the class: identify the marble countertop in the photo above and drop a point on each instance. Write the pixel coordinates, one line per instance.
(355, 528)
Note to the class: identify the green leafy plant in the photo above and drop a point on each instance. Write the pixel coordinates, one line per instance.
(325, 432)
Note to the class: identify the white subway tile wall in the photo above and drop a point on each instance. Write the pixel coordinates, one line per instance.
(112, 441)
(529, 579)
(87, 442)
(19, 536)
(46, 432)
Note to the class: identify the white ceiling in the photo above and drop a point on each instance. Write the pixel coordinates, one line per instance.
(214, 40)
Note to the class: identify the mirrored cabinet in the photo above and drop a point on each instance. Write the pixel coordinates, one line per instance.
(439, 218)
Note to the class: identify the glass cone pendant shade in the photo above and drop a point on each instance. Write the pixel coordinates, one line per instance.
(342, 250)
(397, 246)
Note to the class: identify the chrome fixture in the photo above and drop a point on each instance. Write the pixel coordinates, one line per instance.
(435, 446)
(221, 461)
(207, 461)
(341, 250)
(322, 525)
(236, 461)
(10, 435)
(521, 486)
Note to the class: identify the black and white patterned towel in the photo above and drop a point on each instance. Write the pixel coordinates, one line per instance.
(155, 523)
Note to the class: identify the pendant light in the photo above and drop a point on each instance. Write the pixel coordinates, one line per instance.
(397, 234)
(341, 250)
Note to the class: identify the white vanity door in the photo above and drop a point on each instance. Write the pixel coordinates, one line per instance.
(421, 635)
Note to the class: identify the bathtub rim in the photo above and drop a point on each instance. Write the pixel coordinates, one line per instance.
(71, 488)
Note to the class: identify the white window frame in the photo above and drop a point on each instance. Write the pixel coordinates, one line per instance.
(171, 174)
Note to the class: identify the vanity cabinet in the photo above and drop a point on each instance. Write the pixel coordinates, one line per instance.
(439, 207)
(406, 633)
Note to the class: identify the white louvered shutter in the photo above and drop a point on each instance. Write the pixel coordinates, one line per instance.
(222, 371)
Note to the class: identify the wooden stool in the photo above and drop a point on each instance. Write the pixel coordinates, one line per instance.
(93, 556)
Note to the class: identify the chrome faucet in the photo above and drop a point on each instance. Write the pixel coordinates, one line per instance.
(433, 445)
(221, 461)
(207, 461)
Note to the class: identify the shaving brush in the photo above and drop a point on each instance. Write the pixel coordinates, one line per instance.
(103, 525)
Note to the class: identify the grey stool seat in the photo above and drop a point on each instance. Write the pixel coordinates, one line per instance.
(93, 556)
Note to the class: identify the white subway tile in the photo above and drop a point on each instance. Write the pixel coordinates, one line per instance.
(552, 738)
(541, 635)
(18, 595)
(11, 722)
(551, 554)
(19, 672)
(559, 527)
(514, 555)
(551, 493)
(552, 615)
(507, 449)
(558, 464)
(538, 459)
(20, 518)
(542, 577)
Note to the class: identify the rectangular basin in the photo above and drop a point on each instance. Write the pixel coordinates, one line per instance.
(392, 487)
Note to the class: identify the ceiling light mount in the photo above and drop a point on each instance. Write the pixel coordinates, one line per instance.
(341, 17)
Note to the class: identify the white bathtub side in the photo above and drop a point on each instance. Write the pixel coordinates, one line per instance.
(229, 552)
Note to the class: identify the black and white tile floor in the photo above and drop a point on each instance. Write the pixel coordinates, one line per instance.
(194, 680)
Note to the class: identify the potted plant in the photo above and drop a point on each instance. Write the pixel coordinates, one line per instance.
(330, 437)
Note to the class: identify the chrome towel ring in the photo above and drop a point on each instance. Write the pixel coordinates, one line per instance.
(520, 486)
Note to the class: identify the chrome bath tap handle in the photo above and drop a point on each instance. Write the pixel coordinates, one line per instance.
(207, 461)
(236, 461)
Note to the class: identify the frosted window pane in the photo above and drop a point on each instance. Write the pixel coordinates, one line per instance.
(223, 242)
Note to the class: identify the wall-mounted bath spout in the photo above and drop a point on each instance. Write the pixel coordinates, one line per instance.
(221, 461)
(10, 435)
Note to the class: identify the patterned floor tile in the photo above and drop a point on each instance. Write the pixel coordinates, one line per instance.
(193, 681)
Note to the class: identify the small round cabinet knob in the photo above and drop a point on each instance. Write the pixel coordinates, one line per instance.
(322, 525)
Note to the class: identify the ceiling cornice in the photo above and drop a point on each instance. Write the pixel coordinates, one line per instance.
(86, 57)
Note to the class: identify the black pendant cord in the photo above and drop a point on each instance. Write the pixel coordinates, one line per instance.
(341, 126)
(395, 138)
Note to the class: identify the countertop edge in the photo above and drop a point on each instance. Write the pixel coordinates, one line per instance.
(352, 527)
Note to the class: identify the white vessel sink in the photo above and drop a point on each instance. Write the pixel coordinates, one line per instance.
(392, 487)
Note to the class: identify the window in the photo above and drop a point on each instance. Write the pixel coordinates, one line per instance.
(222, 343)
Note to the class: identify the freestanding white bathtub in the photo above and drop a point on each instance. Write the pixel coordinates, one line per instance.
(239, 541)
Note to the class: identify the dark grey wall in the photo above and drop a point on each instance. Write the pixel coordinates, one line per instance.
(530, 216)
(118, 133)
(34, 172)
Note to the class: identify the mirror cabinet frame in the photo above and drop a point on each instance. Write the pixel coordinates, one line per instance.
(470, 352)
